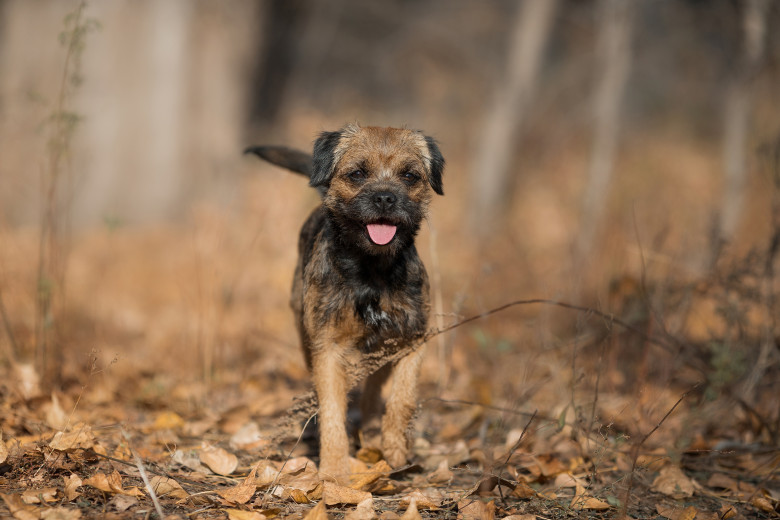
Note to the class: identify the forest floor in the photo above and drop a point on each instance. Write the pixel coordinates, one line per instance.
(172, 385)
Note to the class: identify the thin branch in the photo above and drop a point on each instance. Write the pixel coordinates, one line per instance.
(638, 446)
(140, 465)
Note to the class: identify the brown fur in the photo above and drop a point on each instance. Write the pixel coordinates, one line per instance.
(353, 299)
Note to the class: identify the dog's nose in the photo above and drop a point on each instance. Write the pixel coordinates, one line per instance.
(384, 199)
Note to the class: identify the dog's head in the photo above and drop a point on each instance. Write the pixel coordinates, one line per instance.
(378, 183)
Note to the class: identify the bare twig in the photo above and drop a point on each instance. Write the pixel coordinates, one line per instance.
(638, 446)
(289, 454)
(140, 465)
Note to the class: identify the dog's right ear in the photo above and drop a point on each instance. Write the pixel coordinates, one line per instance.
(323, 159)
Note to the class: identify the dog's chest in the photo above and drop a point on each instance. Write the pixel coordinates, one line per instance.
(368, 309)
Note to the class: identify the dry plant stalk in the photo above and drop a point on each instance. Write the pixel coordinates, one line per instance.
(53, 247)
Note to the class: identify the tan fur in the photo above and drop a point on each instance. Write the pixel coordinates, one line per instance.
(341, 345)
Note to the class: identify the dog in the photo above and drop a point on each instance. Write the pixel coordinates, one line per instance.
(360, 289)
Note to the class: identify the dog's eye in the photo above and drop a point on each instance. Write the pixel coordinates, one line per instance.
(410, 177)
(357, 175)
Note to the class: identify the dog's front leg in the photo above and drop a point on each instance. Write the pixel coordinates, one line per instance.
(330, 383)
(400, 408)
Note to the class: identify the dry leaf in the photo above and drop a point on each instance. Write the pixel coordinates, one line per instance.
(80, 437)
(71, 483)
(167, 487)
(168, 421)
(363, 511)
(727, 511)
(676, 513)
(365, 479)
(369, 455)
(61, 513)
(333, 494)
(39, 496)
(3, 449)
(426, 499)
(123, 502)
(241, 514)
(583, 500)
(298, 465)
(111, 484)
(520, 517)
(523, 490)
(671, 481)
(18, 508)
(218, 460)
(248, 437)
(317, 513)
(56, 417)
(442, 474)
(475, 509)
(719, 480)
(762, 503)
(567, 480)
(243, 492)
(411, 512)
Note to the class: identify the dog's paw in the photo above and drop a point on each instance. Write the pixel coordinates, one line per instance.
(334, 470)
(395, 455)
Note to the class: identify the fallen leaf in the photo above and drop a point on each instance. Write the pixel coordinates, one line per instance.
(167, 487)
(111, 484)
(317, 513)
(523, 490)
(365, 479)
(220, 461)
(71, 483)
(369, 455)
(243, 492)
(18, 508)
(583, 500)
(719, 480)
(363, 511)
(168, 420)
(3, 449)
(411, 512)
(567, 480)
(39, 496)
(762, 503)
(80, 437)
(248, 437)
(442, 474)
(241, 514)
(475, 509)
(56, 417)
(61, 513)
(676, 513)
(333, 494)
(426, 499)
(727, 511)
(671, 481)
(123, 502)
(520, 517)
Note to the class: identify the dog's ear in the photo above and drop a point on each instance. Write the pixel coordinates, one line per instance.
(323, 158)
(437, 165)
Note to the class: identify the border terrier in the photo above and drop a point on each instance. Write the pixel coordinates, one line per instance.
(359, 286)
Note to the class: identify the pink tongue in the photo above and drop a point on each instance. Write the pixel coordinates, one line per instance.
(381, 234)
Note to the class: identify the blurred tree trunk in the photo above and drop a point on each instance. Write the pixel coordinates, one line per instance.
(737, 113)
(614, 59)
(491, 173)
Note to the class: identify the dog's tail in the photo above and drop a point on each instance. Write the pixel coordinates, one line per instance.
(293, 160)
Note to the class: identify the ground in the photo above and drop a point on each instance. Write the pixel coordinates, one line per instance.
(168, 361)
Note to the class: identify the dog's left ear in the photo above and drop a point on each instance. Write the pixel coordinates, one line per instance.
(437, 165)
(323, 159)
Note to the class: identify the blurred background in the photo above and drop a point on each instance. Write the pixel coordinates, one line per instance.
(618, 155)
